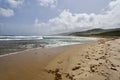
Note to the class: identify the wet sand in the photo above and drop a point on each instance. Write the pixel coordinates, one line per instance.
(28, 64)
(91, 61)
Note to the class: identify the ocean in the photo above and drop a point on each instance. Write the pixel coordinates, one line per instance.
(9, 44)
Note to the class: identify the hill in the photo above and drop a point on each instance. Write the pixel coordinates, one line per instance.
(98, 32)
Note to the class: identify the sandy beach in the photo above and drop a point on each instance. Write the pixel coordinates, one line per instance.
(28, 64)
(90, 61)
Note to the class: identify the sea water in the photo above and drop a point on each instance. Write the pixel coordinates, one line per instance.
(9, 44)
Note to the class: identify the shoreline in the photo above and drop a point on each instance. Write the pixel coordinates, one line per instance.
(92, 61)
(17, 52)
(81, 61)
(11, 46)
(27, 64)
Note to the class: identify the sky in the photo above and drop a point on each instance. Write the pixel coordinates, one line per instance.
(44, 17)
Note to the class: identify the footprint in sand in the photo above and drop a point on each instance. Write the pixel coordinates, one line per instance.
(71, 77)
(76, 68)
(56, 73)
(60, 62)
(113, 68)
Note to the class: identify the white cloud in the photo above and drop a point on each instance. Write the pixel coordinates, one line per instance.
(6, 12)
(68, 21)
(15, 3)
(46, 3)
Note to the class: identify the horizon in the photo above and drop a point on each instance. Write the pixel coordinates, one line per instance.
(59, 34)
(47, 17)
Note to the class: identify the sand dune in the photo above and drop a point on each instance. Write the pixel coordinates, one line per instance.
(91, 61)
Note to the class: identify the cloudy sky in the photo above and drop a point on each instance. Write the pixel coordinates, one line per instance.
(41, 17)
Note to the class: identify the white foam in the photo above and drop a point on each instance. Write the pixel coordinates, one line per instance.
(55, 40)
(6, 38)
(9, 54)
(70, 40)
(60, 44)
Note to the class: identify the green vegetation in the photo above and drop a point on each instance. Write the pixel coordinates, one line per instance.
(98, 32)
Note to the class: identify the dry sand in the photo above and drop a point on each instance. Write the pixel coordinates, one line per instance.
(91, 61)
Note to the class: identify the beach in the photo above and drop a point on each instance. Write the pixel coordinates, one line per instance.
(26, 65)
(99, 60)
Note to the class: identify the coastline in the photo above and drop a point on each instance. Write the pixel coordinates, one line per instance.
(49, 46)
(32, 49)
(92, 61)
(81, 61)
(11, 44)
